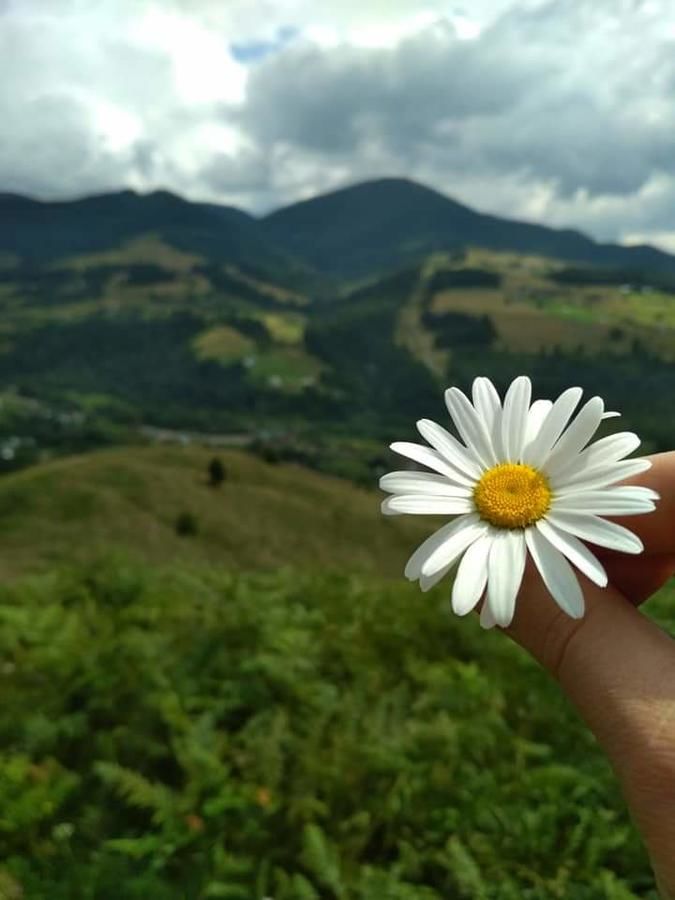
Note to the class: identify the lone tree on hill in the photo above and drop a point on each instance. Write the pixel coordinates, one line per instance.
(217, 472)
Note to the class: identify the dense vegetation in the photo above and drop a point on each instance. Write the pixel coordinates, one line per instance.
(584, 275)
(464, 278)
(639, 386)
(461, 331)
(186, 732)
(376, 384)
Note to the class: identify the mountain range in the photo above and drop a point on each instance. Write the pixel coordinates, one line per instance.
(317, 333)
(352, 233)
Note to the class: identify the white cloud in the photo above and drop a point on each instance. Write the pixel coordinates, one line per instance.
(551, 111)
(100, 96)
(557, 112)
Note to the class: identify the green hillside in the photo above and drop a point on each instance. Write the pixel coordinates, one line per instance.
(145, 333)
(394, 344)
(129, 500)
(138, 326)
(97, 345)
(536, 307)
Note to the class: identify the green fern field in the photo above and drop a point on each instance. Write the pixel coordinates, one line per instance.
(186, 732)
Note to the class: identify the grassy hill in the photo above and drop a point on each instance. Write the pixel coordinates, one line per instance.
(263, 516)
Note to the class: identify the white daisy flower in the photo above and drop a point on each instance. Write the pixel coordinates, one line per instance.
(524, 481)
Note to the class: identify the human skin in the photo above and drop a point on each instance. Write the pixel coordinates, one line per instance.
(618, 668)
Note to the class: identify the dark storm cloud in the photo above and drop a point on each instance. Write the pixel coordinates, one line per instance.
(330, 100)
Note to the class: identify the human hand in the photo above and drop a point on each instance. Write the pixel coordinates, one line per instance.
(618, 667)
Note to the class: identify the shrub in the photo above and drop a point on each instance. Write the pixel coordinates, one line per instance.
(217, 472)
(186, 524)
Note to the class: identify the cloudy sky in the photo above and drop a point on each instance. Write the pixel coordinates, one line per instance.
(556, 111)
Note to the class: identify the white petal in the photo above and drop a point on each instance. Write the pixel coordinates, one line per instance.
(425, 505)
(514, 417)
(599, 476)
(610, 415)
(425, 456)
(413, 567)
(577, 435)
(489, 408)
(607, 450)
(610, 502)
(506, 565)
(487, 620)
(471, 576)
(407, 482)
(429, 581)
(613, 447)
(462, 460)
(536, 453)
(486, 400)
(535, 419)
(471, 427)
(597, 531)
(469, 528)
(556, 573)
(575, 551)
(636, 491)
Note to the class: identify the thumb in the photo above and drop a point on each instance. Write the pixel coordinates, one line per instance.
(618, 668)
(638, 577)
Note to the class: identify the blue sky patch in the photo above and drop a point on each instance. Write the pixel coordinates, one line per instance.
(254, 51)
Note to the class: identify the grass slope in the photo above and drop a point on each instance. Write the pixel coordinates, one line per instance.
(129, 499)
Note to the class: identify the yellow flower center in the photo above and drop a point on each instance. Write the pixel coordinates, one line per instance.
(512, 495)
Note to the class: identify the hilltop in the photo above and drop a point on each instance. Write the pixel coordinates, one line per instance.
(376, 225)
(40, 231)
(128, 499)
